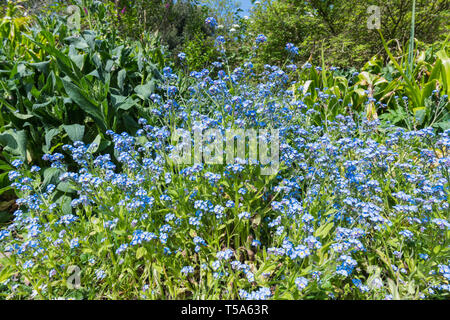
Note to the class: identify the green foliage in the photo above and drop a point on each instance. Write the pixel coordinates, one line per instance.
(69, 87)
(13, 20)
(175, 22)
(342, 27)
(420, 93)
(200, 52)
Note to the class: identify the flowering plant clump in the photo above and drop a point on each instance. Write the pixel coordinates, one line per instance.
(356, 210)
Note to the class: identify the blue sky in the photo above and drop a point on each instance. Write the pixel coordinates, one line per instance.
(245, 5)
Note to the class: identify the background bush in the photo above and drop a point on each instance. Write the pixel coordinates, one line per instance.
(341, 27)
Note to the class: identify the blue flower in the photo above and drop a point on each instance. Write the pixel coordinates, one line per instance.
(291, 48)
(244, 215)
(301, 283)
(211, 21)
(261, 39)
(100, 274)
(28, 264)
(74, 243)
(407, 234)
(187, 270)
(17, 163)
(220, 40)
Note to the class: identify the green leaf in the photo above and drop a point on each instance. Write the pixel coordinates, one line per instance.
(445, 69)
(384, 258)
(6, 273)
(444, 125)
(120, 232)
(82, 99)
(49, 135)
(419, 114)
(7, 140)
(66, 187)
(410, 87)
(66, 206)
(257, 220)
(63, 61)
(121, 78)
(22, 116)
(15, 141)
(5, 189)
(51, 175)
(41, 66)
(437, 249)
(192, 233)
(324, 229)
(122, 102)
(74, 131)
(144, 91)
(49, 101)
(141, 252)
(393, 289)
(96, 142)
(7, 104)
(427, 90)
(5, 216)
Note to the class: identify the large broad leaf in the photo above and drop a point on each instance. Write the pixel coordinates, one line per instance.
(130, 123)
(81, 98)
(144, 91)
(15, 142)
(444, 124)
(77, 59)
(411, 87)
(51, 176)
(49, 101)
(445, 69)
(99, 144)
(74, 131)
(95, 144)
(121, 78)
(77, 42)
(122, 102)
(64, 62)
(64, 201)
(427, 90)
(41, 66)
(324, 229)
(4, 215)
(420, 114)
(49, 135)
(66, 187)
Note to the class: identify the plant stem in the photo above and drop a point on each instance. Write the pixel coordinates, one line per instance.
(411, 41)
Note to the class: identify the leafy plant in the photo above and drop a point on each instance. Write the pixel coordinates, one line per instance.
(72, 87)
(419, 92)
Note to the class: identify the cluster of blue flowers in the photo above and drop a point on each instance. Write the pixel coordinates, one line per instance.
(349, 195)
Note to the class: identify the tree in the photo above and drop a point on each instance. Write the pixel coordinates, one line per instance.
(223, 10)
(341, 27)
